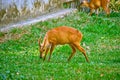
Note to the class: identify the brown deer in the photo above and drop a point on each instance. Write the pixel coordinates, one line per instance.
(60, 36)
(95, 4)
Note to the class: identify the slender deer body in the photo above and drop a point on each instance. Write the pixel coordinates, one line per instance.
(95, 4)
(60, 36)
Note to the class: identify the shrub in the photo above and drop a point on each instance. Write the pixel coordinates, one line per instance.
(115, 5)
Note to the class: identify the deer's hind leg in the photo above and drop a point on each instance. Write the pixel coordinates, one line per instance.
(73, 52)
(77, 45)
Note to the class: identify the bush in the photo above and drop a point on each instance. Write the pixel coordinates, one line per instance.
(115, 5)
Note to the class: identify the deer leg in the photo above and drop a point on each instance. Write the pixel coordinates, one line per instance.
(91, 11)
(46, 52)
(51, 50)
(97, 11)
(106, 9)
(73, 52)
(77, 45)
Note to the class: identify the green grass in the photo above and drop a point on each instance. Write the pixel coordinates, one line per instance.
(19, 57)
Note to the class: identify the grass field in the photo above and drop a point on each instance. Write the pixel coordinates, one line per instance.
(19, 55)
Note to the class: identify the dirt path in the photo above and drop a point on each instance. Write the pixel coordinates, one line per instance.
(58, 14)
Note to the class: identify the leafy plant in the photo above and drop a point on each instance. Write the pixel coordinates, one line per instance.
(115, 5)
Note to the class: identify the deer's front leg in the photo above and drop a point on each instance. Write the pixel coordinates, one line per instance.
(46, 52)
(51, 50)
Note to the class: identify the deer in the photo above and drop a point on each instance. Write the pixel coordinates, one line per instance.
(59, 36)
(96, 4)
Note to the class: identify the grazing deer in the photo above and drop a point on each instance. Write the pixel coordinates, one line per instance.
(95, 4)
(60, 36)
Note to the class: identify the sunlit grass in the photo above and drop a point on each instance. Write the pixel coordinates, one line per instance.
(19, 57)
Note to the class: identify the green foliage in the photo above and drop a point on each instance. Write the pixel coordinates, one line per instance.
(1, 34)
(19, 59)
(115, 5)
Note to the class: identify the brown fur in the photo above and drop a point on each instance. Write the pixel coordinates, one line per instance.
(60, 36)
(95, 4)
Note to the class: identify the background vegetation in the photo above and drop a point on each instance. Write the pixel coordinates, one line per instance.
(19, 55)
(115, 5)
